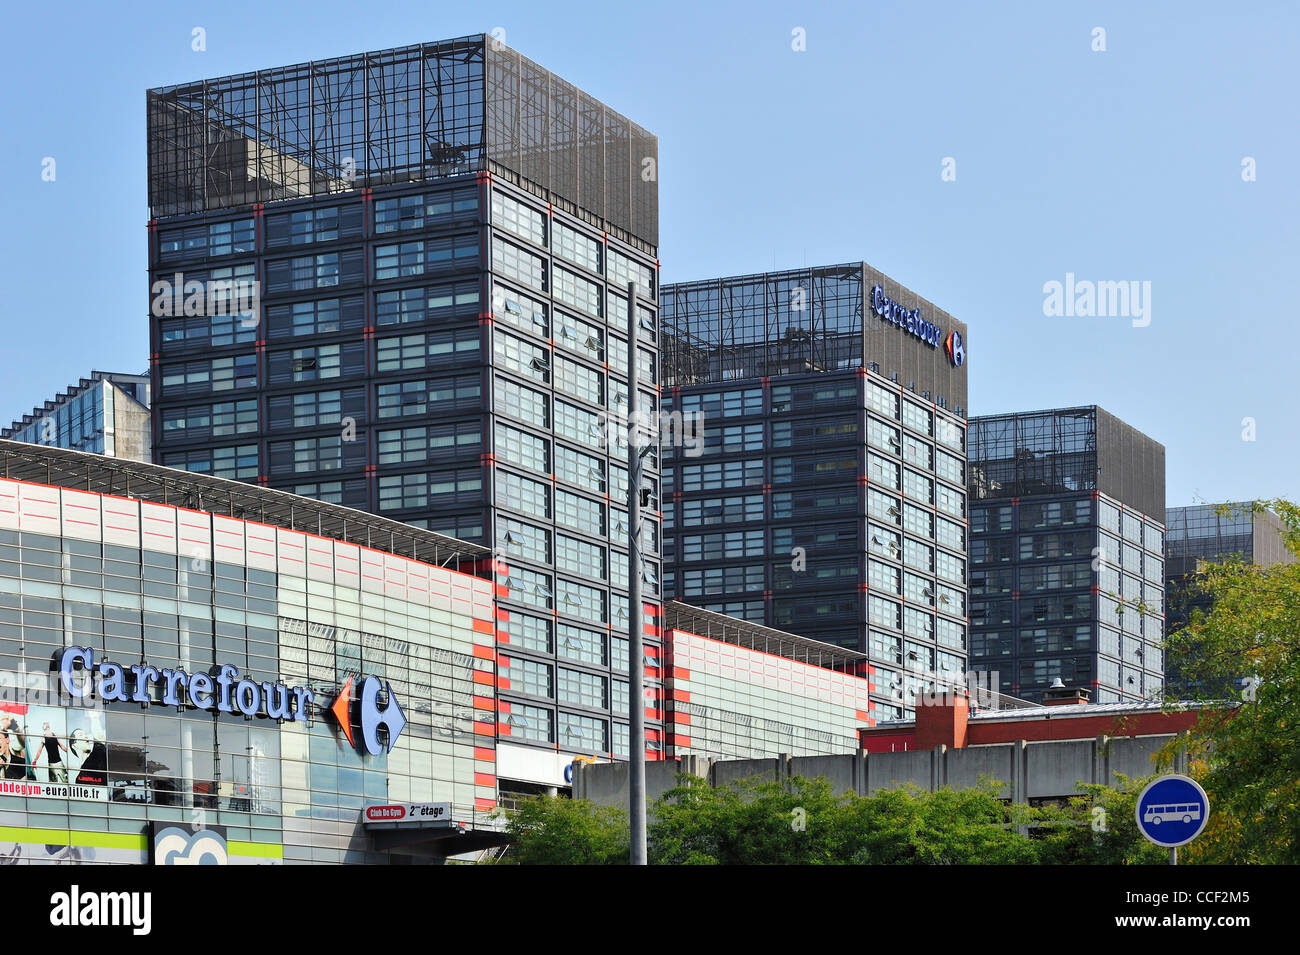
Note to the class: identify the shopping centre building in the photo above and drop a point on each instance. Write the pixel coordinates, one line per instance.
(174, 649)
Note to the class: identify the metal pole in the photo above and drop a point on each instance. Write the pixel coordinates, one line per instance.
(1173, 856)
(635, 665)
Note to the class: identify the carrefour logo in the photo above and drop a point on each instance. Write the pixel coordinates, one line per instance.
(908, 319)
(358, 707)
(956, 348)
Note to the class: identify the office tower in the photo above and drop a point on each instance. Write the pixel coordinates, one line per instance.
(107, 413)
(415, 264)
(1206, 533)
(1067, 553)
(828, 496)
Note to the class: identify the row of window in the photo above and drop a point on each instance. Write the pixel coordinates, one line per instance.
(319, 224)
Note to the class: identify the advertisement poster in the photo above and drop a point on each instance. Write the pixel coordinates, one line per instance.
(52, 752)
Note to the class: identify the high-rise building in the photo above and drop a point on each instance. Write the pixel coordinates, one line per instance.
(1067, 553)
(1205, 533)
(408, 273)
(827, 497)
(107, 413)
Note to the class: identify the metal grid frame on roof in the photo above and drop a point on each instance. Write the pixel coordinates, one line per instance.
(755, 636)
(83, 471)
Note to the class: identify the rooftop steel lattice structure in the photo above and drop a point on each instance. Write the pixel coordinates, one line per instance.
(410, 114)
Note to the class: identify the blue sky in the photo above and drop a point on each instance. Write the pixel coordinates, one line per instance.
(1122, 165)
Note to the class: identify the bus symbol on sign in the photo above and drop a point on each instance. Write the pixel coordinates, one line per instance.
(1172, 811)
(1188, 812)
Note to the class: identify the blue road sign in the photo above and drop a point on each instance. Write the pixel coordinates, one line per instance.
(1172, 811)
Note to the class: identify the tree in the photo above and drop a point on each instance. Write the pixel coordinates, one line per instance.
(750, 822)
(1098, 827)
(1247, 754)
(801, 822)
(546, 830)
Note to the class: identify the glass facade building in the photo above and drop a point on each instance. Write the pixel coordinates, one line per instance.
(107, 413)
(1206, 533)
(151, 585)
(828, 497)
(441, 238)
(1067, 554)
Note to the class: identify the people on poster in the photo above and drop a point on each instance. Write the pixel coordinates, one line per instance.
(52, 748)
(13, 749)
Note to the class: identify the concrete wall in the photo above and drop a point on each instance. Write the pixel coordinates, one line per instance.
(1041, 770)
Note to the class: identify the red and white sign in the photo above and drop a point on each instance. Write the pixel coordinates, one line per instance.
(407, 813)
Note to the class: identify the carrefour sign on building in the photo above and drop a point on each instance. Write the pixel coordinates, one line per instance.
(224, 691)
(908, 319)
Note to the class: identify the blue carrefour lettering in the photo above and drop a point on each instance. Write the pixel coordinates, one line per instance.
(80, 677)
(70, 656)
(908, 319)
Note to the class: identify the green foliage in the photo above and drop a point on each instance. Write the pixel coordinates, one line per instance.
(546, 830)
(1097, 828)
(801, 822)
(1247, 756)
(750, 823)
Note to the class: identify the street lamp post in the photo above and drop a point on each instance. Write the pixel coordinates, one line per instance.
(636, 666)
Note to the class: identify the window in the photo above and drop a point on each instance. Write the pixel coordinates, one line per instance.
(576, 643)
(411, 306)
(522, 403)
(579, 600)
(580, 557)
(884, 612)
(517, 217)
(527, 676)
(530, 587)
(950, 468)
(530, 722)
(416, 352)
(418, 212)
(917, 452)
(579, 381)
(583, 689)
(949, 534)
(882, 471)
(419, 445)
(950, 434)
(232, 462)
(583, 470)
(405, 259)
(524, 540)
(917, 418)
(521, 311)
(882, 399)
(623, 269)
(523, 494)
(518, 264)
(579, 513)
(523, 357)
(523, 449)
(576, 247)
(432, 396)
(917, 487)
(574, 290)
(579, 424)
(430, 490)
(582, 338)
(584, 732)
(882, 576)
